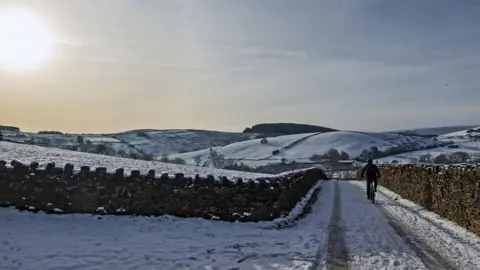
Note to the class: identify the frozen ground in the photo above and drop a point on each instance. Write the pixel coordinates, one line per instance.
(343, 228)
(44, 155)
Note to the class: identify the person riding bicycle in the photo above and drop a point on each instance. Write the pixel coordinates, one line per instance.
(372, 173)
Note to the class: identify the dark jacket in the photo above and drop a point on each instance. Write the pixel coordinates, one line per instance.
(371, 171)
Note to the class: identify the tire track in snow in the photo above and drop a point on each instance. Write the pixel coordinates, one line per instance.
(429, 257)
(337, 252)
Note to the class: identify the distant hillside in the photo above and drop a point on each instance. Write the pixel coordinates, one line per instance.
(138, 144)
(9, 128)
(305, 148)
(43, 155)
(157, 143)
(277, 129)
(431, 132)
(465, 134)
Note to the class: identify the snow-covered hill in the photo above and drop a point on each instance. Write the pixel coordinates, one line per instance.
(416, 156)
(152, 144)
(466, 142)
(194, 146)
(302, 147)
(462, 134)
(28, 153)
(432, 131)
(158, 143)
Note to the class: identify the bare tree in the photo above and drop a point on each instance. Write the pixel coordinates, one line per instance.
(344, 155)
(440, 159)
(197, 159)
(178, 161)
(101, 148)
(425, 158)
(333, 155)
(461, 157)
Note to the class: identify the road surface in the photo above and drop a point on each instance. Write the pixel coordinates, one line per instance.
(388, 234)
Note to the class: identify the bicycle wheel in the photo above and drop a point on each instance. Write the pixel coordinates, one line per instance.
(372, 193)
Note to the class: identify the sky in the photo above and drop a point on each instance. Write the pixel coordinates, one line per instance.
(225, 65)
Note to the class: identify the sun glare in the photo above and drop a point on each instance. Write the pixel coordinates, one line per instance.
(26, 41)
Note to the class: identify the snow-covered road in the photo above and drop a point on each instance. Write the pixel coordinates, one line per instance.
(393, 233)
(343, 231)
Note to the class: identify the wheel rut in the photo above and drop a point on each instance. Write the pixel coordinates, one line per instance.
(337, 251)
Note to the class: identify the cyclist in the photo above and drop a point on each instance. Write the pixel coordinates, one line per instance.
(372, 173)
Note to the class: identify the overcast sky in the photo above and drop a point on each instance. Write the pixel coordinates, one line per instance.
(225, 65)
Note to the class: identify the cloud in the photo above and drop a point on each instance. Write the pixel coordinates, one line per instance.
(353, 64)
(156, 64)
(263, 51)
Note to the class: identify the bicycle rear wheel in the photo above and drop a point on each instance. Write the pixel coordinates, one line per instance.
(372, 193)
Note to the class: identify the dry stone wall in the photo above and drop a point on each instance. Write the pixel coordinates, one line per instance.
(451, 192)
(64, 190)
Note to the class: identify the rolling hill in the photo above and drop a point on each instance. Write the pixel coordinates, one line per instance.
(43, 155)
(465, 141)
(278, 129)
(149, 144)
(465, 133)
(194, 146)
(434, 131)
(302, 147)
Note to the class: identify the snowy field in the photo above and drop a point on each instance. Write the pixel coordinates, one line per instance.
(433, 131)
(155, 143)
(413, 157)
(461, 133)
(459, 138)
(302, 147)
(163, 142)
(44, 155)
(343, 225)
(100, 139)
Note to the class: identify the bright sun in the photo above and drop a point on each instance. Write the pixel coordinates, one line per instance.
(26, 41)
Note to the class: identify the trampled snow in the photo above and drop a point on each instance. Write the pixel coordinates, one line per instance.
(458, 245)
(40, 241)
(28, 153)
(302, 147)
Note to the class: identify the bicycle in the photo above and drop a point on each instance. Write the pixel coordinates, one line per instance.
(371, 196)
